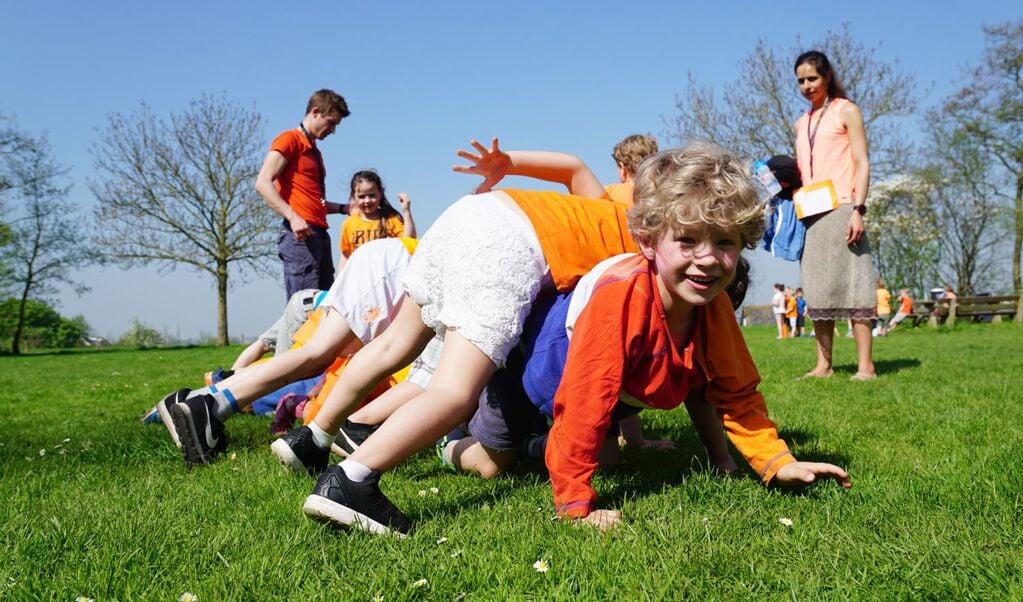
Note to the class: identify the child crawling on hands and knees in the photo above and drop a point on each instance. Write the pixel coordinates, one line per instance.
(650, 326)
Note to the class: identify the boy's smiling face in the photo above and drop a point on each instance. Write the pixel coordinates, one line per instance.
(693, 265)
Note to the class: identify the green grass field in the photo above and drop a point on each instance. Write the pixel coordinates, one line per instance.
(95, 504)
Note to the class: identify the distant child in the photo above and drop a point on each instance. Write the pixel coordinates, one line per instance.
(791, 313)
(800, 313)
(372, 215)
(884, 309)
(905, 309)
(628, 154)
(778, 309)
(520, 241)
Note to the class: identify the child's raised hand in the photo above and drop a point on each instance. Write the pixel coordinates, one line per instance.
(404, 201)
(492, 164)
(805, 473)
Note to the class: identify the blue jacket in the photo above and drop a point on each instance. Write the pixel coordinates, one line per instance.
(785, 233)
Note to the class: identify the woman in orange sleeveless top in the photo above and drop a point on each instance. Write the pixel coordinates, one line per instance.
(836, 267)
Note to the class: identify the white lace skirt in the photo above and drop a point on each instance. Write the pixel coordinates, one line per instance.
(477, 271)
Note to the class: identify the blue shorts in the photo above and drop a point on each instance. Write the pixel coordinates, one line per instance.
(308, 263)
(519, 398)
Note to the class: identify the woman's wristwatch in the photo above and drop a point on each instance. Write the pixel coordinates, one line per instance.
(861, 209)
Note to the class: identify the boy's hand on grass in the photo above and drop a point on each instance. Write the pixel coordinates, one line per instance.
(805, 473)
(493, 164)
(602, 520)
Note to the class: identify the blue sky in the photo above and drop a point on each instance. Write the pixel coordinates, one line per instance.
(421, 80)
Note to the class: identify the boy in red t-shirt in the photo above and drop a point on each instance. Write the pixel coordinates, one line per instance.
(292, 182)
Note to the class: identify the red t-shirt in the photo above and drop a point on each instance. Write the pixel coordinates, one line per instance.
(300, 183)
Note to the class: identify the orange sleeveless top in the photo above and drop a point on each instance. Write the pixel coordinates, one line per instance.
(832, 155)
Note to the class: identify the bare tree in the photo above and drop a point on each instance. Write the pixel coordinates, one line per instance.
(47, 244)
(966, 207)
(989, 110)
(179, 191)
(904, 234)
(755, 113)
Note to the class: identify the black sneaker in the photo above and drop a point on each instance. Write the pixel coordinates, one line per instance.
(338, 500)
(163, 409)
(352, 435)
(202, 433)
(298, 452)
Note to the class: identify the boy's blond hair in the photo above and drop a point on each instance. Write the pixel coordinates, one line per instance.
(630, 152)
(700, 184)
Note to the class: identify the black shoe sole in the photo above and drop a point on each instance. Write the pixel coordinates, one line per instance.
(325, 510)
(168, 421)
(192, 451)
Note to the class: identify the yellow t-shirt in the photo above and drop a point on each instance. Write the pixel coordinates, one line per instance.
(884, 302)
(357, 230)
(620, 193)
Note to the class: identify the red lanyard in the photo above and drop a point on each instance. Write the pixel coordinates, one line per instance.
(812, 136)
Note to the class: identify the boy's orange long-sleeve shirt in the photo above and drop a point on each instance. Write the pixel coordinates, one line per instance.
(621, 343)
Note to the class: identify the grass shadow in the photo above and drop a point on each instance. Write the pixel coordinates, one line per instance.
(884, 367)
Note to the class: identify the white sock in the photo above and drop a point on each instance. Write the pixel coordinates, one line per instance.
(224, 405)
(448, 452)
(356, 472)
(320, 437)
(198, 392)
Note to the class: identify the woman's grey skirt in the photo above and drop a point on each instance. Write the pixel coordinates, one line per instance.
(838, 278)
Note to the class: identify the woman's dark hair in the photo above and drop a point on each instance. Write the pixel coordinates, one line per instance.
(386, 209)
(821, 63)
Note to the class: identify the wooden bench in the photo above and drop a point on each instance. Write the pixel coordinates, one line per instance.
(978, 309)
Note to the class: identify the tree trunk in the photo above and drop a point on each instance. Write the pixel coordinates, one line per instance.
(222, 338)
(19, 329)
(1017, 246)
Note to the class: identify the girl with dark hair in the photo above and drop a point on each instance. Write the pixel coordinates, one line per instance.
(836, 267)
(372, 215)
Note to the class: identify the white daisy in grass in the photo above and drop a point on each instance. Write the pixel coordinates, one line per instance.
(84, 599)
(378, 598)
(233, 456)
(442, 540)
(541, 566)
(66, 440)
(188, 597)
(422, 493)
(457, 553)
(434, 490)
(420, 583)
(42, 453)
(785, 521)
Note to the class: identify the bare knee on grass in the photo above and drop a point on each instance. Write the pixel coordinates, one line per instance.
(470, 455)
